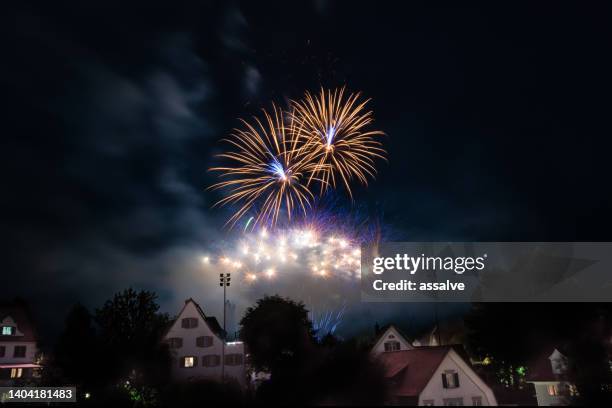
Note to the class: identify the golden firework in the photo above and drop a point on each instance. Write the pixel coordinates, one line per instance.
(268, 169)
(332, 127)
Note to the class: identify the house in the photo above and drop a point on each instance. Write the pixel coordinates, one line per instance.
(18, 345)
(548, 375)
(391, 339)
(199, 348)
(426, 375)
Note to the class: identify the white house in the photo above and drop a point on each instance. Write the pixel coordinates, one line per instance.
(429, 375)
(197, 343)
(548, 376)
(18, 346)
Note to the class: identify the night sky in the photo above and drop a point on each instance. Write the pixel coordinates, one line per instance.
(496, 115)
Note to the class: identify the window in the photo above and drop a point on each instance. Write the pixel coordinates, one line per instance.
(175, 342)
(428, 403)
(189, 323)
(2, 351)
(20, 351)
(16, 372)
(453, 402)
(552, 390)
(572, 390)
(233, 359)
(477, 401)
(189, 362)
(392, 345)
(211, 360)
(450, 379)
(204, 341)
(8, 330)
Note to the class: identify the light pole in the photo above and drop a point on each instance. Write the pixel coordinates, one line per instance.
(224, 281)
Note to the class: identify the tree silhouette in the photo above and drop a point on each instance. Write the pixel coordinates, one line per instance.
(78, 339)
(277, 331)
(131, 329)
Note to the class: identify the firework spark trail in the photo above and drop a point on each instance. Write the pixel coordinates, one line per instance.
(264, 256)
(327, 322)
(268, 170)
(332, 127)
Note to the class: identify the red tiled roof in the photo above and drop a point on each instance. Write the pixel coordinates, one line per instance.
(411, 370)
(21, 316)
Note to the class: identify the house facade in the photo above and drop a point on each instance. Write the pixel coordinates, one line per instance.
(199, 350)
(548, 376)
(429, 376)
(18, 345)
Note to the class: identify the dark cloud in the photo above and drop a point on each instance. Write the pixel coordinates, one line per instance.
(113, 112)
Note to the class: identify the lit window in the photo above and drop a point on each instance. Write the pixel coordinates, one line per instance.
(572, 390)
(450, 379)
(477, 401)
(16, 372)
(392, 345)
(552, 390)
(189, 362)
(7, 330)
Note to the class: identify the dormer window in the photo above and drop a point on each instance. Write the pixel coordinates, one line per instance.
(8, 330)
(189, 323)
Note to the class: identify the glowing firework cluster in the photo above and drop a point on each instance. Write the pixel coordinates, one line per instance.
(275, 162)
(263, 256)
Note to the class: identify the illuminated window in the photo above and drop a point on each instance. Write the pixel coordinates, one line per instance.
(7, 330)
(392, 345)
(204, 341)
(552, 390)
(16, 372)
(477, 401)
(189, 362)
(189, 323)
(450, 379)
(211, 360)
(572, 390)
(233, 359)
(20, 351)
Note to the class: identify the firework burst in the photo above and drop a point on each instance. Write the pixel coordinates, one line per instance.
(268, 169)
(333, 128)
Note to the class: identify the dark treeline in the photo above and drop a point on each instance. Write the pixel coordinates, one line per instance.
(115, 356)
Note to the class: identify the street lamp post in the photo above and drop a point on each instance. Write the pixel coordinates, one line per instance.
(224, 281)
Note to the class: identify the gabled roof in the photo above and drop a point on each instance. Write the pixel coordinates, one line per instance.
(411, 370)
(19, 312)
(210, 321)
(382, 334)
